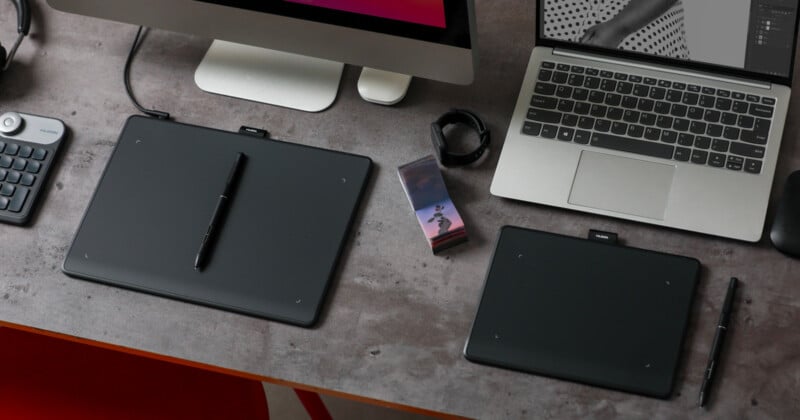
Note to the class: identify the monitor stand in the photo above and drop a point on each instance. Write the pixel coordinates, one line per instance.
(269, 76)
(382, 87)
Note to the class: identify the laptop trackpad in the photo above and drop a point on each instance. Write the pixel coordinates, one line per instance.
(620, 184)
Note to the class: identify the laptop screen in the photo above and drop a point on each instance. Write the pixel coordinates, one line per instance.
(752, 35)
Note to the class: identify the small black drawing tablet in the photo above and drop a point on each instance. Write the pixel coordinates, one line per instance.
(277, 247)
(585, 311)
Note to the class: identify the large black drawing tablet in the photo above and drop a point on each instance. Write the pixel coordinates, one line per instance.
(585, 311)
(277, 247)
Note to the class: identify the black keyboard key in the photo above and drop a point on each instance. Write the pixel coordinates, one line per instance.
(27, 180)
(753, 98)
(664, 121)
(565, 105)
(685, 139)
(695, 113)
(542, 88)
(582, 108)
(723, 93)
(631, 116)
(545, 102)
(592, 72)
(640, 147)
(709, 90)
(658, 93)
(580, 94)
(635, 130)
(39, 154)
(597, 97)
(761, 126)
(602, 125)
(619, 128)
(11, 149)
(591, 83)
(560, 77)
(682, 154)
(646, 105)
(724, 104)
(549, 131)
(577, 69)
(598, 111)
(544, 116)
(747, 150)
(7, 190)
(33, 167)
(693, 88)
(629, 102)
(762, 111)
(664, 83)
(635, 79)
(714, 130)
(662, 107)
(18, 200)
(650, 81)
(582, 136)
(749, 136)
(669, 136)
(531, 128)
(745, 121)
(548, 65)
(699, 156)
(739, 96)
(615, 113)
(697, 127)
(731, 133)
(25, 151)
(719, 145)
(728, 118)
(5, 162)
(716, 160)
(702, 142)
(674, 95)
(613, 99)
(607, 74)
(768, 101)
(575, 80)
(651, 133)
(562, 67)
(19, 164)
(624, 88)
(678, 85)
(735, 163)
(740, 107)
(620, 76)
(681, 124)
(587, 123)
(678, 110)
(641, 90)
(13, 177)
(545, 75)
(648, 119)
(569, 120)
(712, 116)
(563, 91)
(608, 85)
(752, 166)
(565, 134)
(690, 98)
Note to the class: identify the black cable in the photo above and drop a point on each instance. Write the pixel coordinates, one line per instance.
(135, 47)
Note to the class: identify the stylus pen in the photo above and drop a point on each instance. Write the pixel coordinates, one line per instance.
(213, 225)
(719, 339)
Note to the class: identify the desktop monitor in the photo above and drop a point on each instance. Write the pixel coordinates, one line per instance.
(290, 52)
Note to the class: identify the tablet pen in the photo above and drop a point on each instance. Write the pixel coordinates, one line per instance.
(213, 225)
(719, 339)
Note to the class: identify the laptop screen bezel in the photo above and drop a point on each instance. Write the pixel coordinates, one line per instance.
(657, 59)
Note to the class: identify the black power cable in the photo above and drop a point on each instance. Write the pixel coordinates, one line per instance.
(134, 48)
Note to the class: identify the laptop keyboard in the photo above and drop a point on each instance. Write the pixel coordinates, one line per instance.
(648, 116)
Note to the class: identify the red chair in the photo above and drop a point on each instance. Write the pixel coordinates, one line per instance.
(47, 378)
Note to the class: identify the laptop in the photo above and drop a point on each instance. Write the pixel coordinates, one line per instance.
(664, 112)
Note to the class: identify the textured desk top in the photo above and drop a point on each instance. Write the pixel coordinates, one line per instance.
(397, 317)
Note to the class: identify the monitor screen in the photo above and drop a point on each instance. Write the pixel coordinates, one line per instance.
(753, 35)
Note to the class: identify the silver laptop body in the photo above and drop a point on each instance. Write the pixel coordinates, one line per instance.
(651, 168)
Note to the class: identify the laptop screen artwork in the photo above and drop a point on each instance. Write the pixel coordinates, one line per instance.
(752, 35)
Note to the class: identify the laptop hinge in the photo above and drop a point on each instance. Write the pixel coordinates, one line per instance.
(600, 58)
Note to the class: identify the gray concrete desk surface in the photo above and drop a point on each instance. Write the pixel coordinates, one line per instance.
(395, 322)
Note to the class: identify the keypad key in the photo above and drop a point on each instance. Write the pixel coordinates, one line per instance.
(724, 104)
(596, 97)
(613, 99)
(560, 77)
(740, 107)
(731, 133)
(575, 80)
(592, 82)
(562, 67)
(587, 123)
(749, 136)
(719, 145)
(723, 93)
(697, 127)
(662, 107)
(13, 177)
(716, 160)
(545, 75)
(25, 152)
(728, 118)
(598, 111)
(664, 121)
(753, 98)
(702, 142)
(690, 98)
(615, 113)
(608, 85)
(592, 72)
(682, 154)
(4, 203)
(544, 88)
(582, 108)
(762, 111)
(674, 95)
(549, 131)
(569, 120)
(39, 154)
(693, 88)
(619, 128)
(635, 79)
(678, 85)
(678, 110)
(577, 69)
(734, 163)
(635, 130)
(624, 144)
(602, 126)
(647, 119)
(544, 102)
(768, 101)
(712, 116)
(685, 139)
(548, 65)
(580, 94)
(582, 136)
(631, 116)
(695, 113)
(747, 150)
(620, 76)
(651, 133)
(565, 134)
(738, 96)
(11, 149)
(27, 180)
(531, 128)
(669, 136)
(18, 200)
(606, 73)
(641, 90)
(745, 121)
(624, 88)
(681, 124)
(646, 105)
(709, 90)
(664, 83)
(542, 115)
(714, 130)
(699, 156)
(19, 164)
(650, 81)
(657, 93)
(752, 166)
(563, 91)
(566, 105)
(7, 190)
(629, 102)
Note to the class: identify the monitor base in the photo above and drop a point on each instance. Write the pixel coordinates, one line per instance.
(269, 76)
(382, 87)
